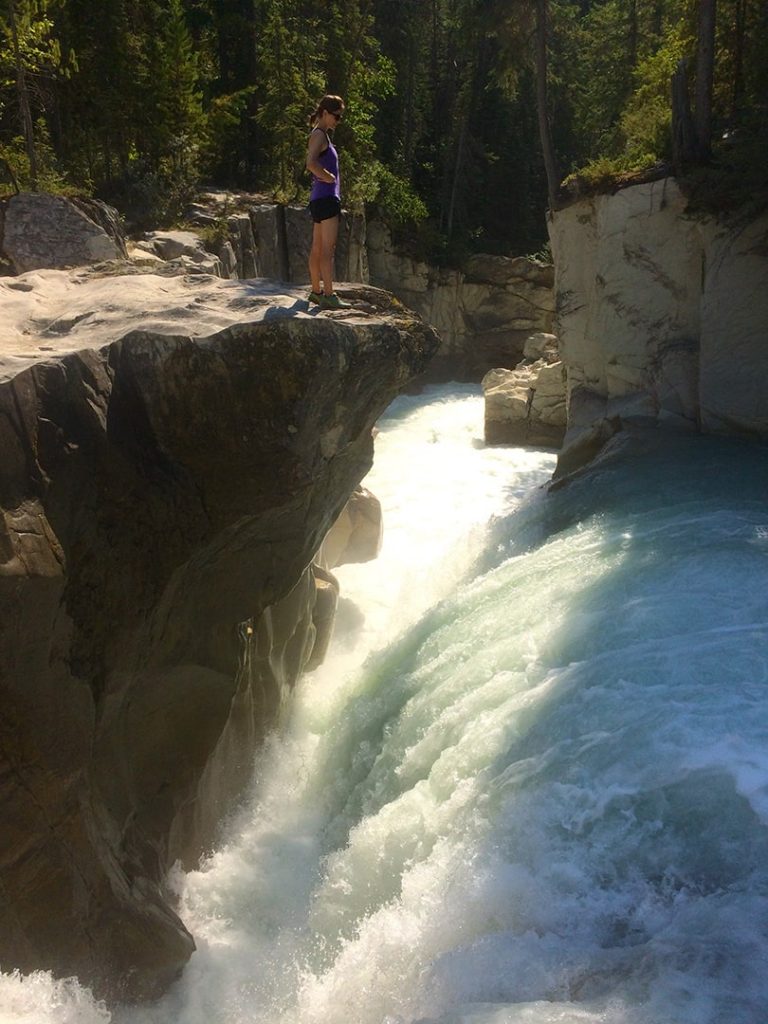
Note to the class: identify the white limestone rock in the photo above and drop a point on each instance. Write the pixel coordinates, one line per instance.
(525, 406)
(733, 345)
(661, 314)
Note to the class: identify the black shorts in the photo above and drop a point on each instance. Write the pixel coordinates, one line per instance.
(325, 208)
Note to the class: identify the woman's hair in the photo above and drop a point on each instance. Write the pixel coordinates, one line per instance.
(333, 104)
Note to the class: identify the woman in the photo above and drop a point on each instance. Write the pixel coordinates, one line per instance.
(324, 201)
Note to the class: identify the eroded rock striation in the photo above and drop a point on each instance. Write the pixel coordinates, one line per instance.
(662, 317)
(167, 477)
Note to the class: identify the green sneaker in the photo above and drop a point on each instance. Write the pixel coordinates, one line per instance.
(314, 297)
(333, 302)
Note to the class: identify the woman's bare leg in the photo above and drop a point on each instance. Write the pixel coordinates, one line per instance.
(315, 257)
(330, 232)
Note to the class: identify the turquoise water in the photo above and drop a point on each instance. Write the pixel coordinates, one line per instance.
(534, 786)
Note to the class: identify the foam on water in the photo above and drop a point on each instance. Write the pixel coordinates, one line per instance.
(535, 790)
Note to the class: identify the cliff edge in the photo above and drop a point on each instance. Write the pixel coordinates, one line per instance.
(172, 452)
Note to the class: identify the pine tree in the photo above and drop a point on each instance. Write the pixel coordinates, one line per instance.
(30, 53)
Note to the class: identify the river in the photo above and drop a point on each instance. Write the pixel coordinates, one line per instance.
(530, 783)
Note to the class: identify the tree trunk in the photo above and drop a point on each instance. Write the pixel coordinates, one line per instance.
(684, 143)
(545, 130)
(11, 175)
(458, 165)
(22, 92)
(705, 67)
(738, 57)
(632, 34)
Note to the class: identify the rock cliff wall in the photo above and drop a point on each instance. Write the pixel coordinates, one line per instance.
(661, 316)
(163, 490)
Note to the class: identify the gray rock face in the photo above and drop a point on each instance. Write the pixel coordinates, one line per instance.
(162, 498)
(284, 239)
(40, 230)
(662, 317)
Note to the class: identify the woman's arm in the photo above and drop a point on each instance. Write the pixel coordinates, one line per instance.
(315, 148)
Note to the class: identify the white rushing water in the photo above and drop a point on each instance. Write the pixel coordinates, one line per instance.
(533, 788)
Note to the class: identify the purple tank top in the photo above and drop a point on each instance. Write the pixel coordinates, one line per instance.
(329, 159)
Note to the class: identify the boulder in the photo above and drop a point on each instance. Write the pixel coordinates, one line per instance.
(541, 346)
(357, 533)
(48, 231)
(225, 216)
(189, 250)
(525, 406)
(173, 451)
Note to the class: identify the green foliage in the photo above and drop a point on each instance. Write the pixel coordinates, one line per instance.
(222, 134)
(49, 176)
(737, 177)
(288, 64)
(609, 171)
(647, 116)
(39, 47)
(396, 199)
(440, 130)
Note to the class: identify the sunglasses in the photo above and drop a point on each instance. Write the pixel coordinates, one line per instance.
(337, 114)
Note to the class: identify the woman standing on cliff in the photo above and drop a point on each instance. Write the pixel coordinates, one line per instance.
(324, 201)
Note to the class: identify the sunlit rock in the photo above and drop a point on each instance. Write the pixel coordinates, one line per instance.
(526, 406)
(661, 314)
(357, 533)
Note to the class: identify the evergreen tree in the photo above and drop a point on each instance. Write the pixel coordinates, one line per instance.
(30, 55)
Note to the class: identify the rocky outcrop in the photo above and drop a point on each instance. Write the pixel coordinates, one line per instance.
(188, 249)
(662, 317)
(526, 406)
(483, 312)
(273, 240)
(40, 230)
(169, 470)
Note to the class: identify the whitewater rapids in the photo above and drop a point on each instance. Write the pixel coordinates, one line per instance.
(532, 787)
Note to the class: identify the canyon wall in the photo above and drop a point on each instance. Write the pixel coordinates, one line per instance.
(662, 317)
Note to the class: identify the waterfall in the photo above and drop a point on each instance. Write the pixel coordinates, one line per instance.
(530, 783)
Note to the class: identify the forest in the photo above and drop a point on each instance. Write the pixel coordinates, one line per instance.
(465, 119)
